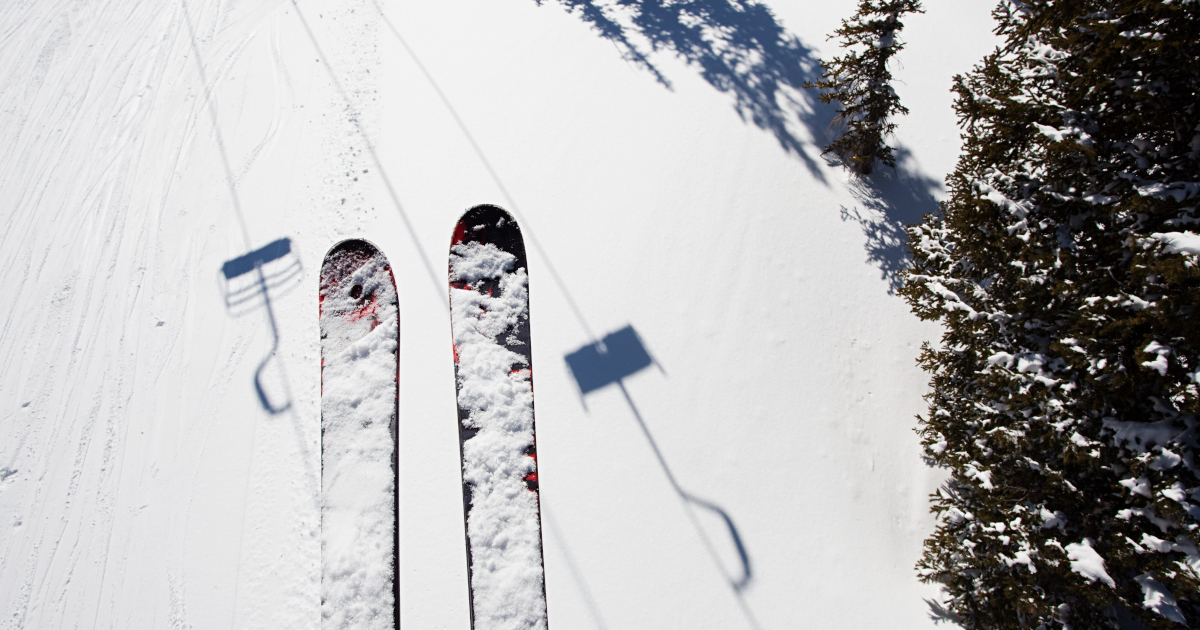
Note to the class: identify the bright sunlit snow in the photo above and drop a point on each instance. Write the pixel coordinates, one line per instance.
(1180, 242)
(1087, 562)
(161, 419)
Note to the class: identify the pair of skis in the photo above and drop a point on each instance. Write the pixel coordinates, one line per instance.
(489, 305)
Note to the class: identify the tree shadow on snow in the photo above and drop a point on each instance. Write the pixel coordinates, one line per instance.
(889, 200)
(939, 614)
(738, 47)
(609, 361)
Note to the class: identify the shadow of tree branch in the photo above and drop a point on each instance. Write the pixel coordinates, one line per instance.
(890, 200)
(739, 48)
(939, 614)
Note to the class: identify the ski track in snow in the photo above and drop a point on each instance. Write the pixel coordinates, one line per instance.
(94, 244)
(495, 387)
(142, 484)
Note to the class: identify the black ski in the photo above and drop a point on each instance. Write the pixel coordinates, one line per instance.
(489, 304)
(359, 384)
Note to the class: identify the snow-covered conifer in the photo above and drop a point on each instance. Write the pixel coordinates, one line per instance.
(1064, 268)
(861, 83)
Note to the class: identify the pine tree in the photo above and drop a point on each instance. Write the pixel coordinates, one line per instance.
(1064, 269)
(861, 83)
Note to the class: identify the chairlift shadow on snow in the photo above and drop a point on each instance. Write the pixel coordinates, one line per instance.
(609, 361)
(738, 46)
(617, 355)
(243, 290)
(891, 199)
(273, 266)
(247, 282)
(622, 353)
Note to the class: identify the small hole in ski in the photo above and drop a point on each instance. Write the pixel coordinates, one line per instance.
(356, 291)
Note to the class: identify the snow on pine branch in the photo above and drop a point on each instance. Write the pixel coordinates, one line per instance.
(1064, 390)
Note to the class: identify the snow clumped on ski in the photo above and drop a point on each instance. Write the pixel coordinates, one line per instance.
(359, 339)
(489, 302)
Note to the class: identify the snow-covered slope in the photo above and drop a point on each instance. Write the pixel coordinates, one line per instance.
(160, 425)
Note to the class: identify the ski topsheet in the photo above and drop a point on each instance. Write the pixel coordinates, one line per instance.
(359, 339)
(489, 313)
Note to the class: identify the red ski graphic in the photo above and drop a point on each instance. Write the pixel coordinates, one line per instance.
(489, 312)
(359, 339)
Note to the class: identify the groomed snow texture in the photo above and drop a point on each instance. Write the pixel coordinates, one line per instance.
(143, 145)
(359, 322)
(495, 388)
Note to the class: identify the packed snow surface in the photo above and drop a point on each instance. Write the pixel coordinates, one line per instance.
(359, 322)
(496, 389)
(145, 484)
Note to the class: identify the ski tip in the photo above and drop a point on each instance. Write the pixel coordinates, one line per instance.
(352, 246)
(489, 224)
(345, 256)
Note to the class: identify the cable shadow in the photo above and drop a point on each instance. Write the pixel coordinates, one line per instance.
(253, 260)
(237, 268)
(603, 361)
(608, 362)
(629, 353)
(439, 282)
(573, 568)
(890, 200)
(487, 165)
(738, 47)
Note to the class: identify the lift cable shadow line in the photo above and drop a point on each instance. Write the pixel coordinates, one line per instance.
(584, 591)
(252, 261)
(487, 165)
(609, 361)
(235, 200)
(439, 282)
(738, 583)
(212, 112)
(241, 219)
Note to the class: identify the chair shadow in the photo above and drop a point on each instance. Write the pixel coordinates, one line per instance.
(890, 200)
(247, 283)
(617, 355)
(738, 47)
(609, 361)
